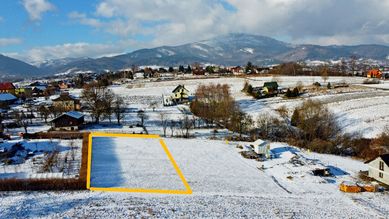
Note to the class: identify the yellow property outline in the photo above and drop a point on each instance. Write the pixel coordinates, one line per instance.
(187, 190)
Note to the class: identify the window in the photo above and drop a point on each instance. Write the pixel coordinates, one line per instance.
(382, 165)
(381, 175)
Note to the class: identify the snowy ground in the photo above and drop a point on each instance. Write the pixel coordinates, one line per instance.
(351, 105)
(132, 163)
(224, 184)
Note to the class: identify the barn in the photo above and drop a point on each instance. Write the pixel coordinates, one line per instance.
(69, 121)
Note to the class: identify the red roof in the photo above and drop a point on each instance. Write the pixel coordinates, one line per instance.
(6, 86)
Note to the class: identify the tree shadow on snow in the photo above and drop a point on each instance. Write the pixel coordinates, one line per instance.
(106, 169)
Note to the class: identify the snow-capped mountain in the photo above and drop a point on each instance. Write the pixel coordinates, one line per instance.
(229, 49)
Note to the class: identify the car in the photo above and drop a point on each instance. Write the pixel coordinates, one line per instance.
(2, 150)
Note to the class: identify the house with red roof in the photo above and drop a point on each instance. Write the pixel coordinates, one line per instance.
(7, 87)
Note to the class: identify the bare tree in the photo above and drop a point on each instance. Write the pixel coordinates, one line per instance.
(21, 120)
(96, 99)
(108, 102)
(44, 112)
(142, 116)
(164, 122)
(172, 126)
(119, 109)
(241, 122)
(324, 73)
(186, 124)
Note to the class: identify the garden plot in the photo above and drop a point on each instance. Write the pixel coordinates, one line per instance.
(40, 159)
(132, 163)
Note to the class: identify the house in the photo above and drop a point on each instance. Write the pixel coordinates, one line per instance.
(261, 148)
(38, 91)
(64, 85)
(374, 73)
(379, 168)
(7, 87)
(180, 94)
(270, 88)
(69, 121)
(23, 91)
(66, 102)
(237, 70)
(6, 99)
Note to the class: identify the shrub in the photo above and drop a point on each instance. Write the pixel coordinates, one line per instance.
(317, 84)
(294, 93)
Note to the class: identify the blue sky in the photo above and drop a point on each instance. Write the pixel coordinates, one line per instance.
(36, 30)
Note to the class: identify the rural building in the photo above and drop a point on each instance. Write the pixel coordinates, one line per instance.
(6, 99)
(237, 70)
(66, 102)
(23, 91)
(374, 73)
(69, 121)
(262, 148)
(7, 87)
(180, 95)
(270, 88)
(379, 168)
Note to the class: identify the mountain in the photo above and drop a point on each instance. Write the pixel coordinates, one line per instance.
(15, 69)
(230, 49)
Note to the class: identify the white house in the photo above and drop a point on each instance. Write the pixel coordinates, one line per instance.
(379, 168)
(261, 148)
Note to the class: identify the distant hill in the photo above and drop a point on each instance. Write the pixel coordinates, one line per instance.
(15, 69)
(230, 49)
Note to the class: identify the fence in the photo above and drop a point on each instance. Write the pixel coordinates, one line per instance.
(53, 184)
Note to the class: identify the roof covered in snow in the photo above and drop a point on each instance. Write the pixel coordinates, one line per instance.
(260, 142)
(74, 114)
(7, 97)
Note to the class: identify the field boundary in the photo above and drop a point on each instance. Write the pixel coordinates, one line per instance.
(52, 184)
(187, 190)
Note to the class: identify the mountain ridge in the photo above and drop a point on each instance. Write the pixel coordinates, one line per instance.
(228, 49)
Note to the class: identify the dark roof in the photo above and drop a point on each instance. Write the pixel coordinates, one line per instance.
(6, 86)
(272, 84)
(64, 97)
(72, 114)
(179, 87)
(384, 157)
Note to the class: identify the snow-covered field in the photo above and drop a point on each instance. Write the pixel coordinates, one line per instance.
(224, 184)
(132, 163)
(352, 106)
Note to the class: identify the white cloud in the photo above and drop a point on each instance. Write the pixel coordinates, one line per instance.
(176, 21)
(9, 41)
(74, 50)
(35, 8)
(83, 19)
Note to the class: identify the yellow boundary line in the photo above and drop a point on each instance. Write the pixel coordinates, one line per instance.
(187, 190)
